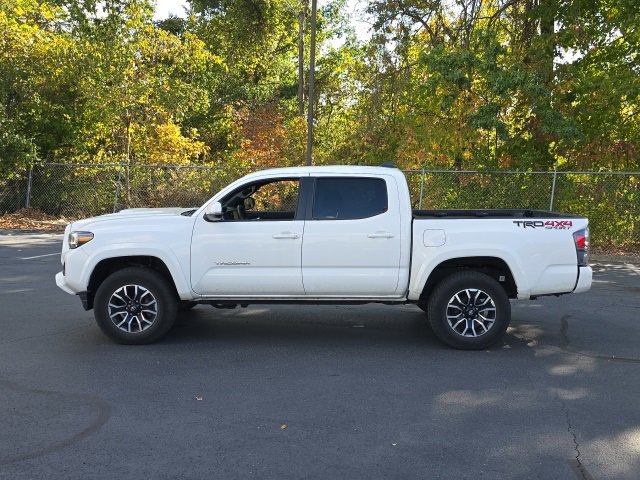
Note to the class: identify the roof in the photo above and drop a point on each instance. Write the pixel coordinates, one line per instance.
(338, 169)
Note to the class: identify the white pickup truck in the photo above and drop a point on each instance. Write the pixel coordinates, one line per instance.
(321, 235)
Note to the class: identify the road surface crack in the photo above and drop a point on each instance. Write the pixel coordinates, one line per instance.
(576, 463)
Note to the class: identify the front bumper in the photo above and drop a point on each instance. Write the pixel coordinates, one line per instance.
(585, 276)
(73, 279)
(61, 282)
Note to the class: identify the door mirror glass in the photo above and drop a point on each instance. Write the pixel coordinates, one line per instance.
(213, 212)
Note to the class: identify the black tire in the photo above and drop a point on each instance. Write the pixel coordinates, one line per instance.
(494, 319)
(160, 300)
(186, 305)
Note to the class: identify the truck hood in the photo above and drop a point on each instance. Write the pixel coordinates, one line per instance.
(154, 211)
(134, 215)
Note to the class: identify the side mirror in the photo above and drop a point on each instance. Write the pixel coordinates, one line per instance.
(213, 213)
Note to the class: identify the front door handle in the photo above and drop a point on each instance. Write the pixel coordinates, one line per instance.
(381, 234)
(282, 235)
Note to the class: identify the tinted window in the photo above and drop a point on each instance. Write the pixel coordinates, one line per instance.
(349, 198)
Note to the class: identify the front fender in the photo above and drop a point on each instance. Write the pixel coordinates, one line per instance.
(168, 257)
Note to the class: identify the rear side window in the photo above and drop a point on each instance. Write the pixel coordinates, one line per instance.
(349, 198)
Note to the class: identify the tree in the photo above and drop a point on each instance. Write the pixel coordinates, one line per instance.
(139, 84)
(37, 82)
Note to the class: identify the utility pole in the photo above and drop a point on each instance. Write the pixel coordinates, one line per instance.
(312, 71)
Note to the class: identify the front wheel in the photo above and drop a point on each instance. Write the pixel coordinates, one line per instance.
(469, 310)
(135, 306)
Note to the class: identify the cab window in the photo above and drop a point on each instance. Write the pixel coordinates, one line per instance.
(349, 198)
(263, 200)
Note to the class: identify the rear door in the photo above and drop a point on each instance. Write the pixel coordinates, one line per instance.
(352, 242)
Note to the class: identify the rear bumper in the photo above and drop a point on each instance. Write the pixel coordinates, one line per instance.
(585, 276)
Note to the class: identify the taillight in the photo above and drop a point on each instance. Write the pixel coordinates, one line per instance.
(581, 239)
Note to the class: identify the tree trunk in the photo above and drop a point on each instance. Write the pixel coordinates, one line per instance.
(548, 10)
(301, 17)
(127, 177)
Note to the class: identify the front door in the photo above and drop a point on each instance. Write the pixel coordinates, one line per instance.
(255, 250)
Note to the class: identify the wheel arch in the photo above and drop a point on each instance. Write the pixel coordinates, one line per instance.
(494, 267)
(108, 266)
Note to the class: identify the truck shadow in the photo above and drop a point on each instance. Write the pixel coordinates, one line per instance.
(265, 324)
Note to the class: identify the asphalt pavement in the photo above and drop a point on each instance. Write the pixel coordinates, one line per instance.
(315, 392)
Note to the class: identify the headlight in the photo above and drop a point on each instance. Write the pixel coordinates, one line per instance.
(77, 239)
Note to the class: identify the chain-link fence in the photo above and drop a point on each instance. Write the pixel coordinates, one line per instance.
(611, 200)
(76, 191)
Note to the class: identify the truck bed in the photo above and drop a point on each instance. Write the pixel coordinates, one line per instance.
(490, 213)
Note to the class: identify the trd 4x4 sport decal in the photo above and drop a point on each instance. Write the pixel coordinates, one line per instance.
(548, 224)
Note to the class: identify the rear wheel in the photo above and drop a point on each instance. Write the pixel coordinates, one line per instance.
(469, 310)
(135, 306)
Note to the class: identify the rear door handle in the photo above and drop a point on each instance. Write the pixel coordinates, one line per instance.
(284, 235)
(381, 234)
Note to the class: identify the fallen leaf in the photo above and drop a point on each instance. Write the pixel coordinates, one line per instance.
(31, 219)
